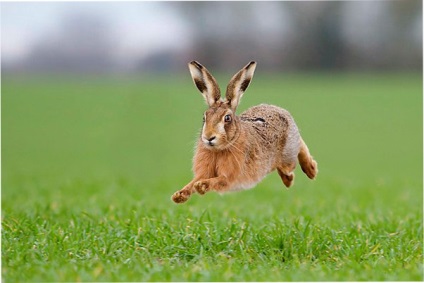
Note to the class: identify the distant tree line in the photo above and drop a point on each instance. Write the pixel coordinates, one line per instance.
(335, 35)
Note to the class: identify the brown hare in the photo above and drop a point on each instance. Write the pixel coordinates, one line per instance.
(237, 152)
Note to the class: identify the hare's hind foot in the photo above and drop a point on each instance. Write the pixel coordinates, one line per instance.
(307, 163)
(287, 175)
(310, 168)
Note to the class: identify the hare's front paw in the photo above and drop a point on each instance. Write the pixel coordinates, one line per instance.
(201, 187)
(180, 197)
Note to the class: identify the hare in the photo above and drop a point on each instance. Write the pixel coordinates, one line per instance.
(237, 152)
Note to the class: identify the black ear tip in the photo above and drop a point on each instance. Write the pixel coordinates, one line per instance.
(197, 64)
(252, 63)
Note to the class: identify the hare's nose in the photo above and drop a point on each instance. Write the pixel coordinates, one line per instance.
(211, 138)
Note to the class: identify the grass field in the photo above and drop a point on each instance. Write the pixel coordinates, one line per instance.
(89, 166)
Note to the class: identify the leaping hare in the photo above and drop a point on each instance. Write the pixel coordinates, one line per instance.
(237, 152)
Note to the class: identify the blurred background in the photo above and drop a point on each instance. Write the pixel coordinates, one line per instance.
(151, 37)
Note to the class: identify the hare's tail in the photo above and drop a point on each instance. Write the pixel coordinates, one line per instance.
(307, 163)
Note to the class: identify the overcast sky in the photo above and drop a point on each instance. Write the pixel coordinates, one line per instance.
(151, 25)
(140, 29)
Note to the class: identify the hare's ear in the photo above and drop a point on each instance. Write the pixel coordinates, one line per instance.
(205, 82)
(238, 85)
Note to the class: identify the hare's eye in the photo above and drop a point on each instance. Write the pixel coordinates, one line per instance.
(227, 118)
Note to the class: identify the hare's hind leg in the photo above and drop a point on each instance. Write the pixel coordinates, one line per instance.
(307, 163)
(286, 173)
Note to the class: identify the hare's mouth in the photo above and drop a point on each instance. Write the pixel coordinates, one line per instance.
(210, 141)
(212, 144)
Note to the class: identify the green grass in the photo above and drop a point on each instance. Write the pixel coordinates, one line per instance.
(89, 166)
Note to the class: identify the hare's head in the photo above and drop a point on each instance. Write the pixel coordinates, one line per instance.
(220, 123)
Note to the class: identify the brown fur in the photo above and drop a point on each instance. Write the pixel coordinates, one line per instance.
(238, 153)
